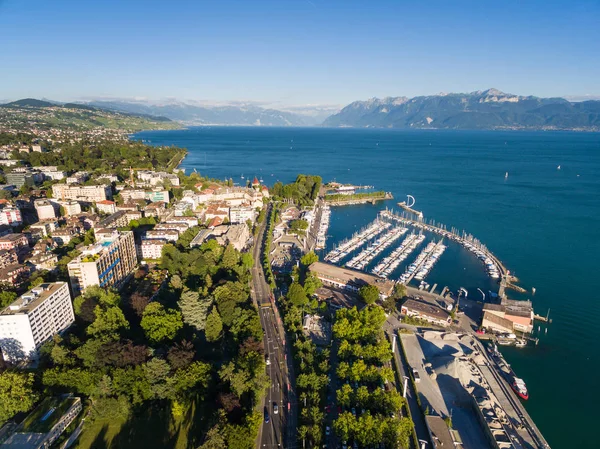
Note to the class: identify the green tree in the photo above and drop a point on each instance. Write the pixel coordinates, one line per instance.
(7, 297)
(296, 295)
(16, 394)
(312, 283)
(309, 258)
(194, 309)
(369, 294)
(214, 326)
(108, 323)
(160, 324)
(230, 257)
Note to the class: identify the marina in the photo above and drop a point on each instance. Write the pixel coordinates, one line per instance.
(365, 257)
(356, 241)
(391, 262)
(323, 226)
(423, 263)
(494, 268)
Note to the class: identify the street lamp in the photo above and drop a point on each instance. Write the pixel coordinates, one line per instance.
(405, 386)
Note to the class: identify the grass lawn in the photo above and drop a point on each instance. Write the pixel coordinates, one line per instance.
(149, 427)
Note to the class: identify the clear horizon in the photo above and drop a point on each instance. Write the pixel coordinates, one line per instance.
(286, 54)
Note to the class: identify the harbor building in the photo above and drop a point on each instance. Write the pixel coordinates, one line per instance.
(106, 263)
(508, 316)
(45, 423)
(33, 318)
(426, 311)
(348, 279)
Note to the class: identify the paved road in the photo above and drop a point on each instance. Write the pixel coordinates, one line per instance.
(411, 395)
(280, 431)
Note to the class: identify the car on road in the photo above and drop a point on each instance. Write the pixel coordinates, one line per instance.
(267, 417)
(268, 361)
(275, 408)
(416, 375)
(353, 411)
(327, 431)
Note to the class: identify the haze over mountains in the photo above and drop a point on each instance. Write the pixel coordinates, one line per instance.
(234, 113)
(490, 109)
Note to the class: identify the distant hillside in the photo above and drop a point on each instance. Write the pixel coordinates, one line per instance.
(28, 113)
(30, 102)
(490, 109)
(190, 114)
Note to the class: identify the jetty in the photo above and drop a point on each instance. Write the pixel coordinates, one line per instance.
(494, 266)
(391, 262)
(407, 208)
(347, 199)
(361, 260)
(421, 264)
(357, 240)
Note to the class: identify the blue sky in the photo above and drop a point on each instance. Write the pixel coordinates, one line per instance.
(296, 51)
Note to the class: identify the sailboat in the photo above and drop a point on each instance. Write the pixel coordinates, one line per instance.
(506, 175)
(242, 176)
(558, 168)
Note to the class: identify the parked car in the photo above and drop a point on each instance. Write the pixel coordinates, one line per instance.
(275, 408)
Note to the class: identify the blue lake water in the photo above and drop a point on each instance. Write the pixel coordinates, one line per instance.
(542, 222)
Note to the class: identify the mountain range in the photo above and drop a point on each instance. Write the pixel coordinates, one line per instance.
(227, 114)
(489, 109)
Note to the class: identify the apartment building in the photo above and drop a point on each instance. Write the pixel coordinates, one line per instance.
(33, 318)
(83, 193)
(10, 216)
(46, 210)
(106, 263)
(151, 248)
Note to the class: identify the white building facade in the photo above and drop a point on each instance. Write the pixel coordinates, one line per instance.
(33, 319)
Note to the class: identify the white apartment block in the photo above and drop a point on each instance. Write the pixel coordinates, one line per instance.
(241, 214)
(78, 178)
(106, 206)
(106, 263)
(33, 319)
(163, 234)
(10, 216)
(45, 209)
(71, 207)
(154, 178)
(152, 248)
(83, 193)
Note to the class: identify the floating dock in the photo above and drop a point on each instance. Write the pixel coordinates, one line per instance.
(390, 263)
(357, 241)
(363, 259)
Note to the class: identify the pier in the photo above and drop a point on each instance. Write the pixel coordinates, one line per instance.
(365, 257)
(496, 269)
(343, 199)
(390, 263)
(356, 241)
(407, 208)
(420, 262)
